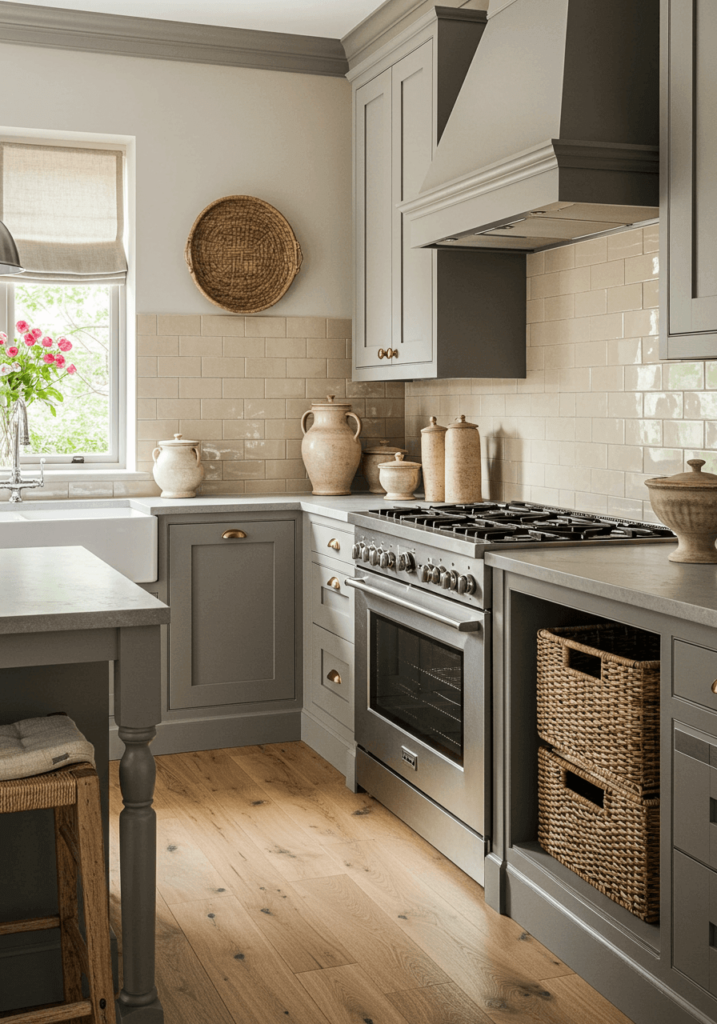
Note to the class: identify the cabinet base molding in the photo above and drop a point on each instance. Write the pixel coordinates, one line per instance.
(643, 998)
(339, 753)
(214, 733)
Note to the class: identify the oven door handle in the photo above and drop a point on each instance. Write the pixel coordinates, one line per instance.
(462, 625)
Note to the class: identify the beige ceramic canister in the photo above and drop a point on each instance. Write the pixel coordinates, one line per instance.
(433, 460)
(177, 467)
(330, 449)
(399, 478)
(687, 503)
(463, 463)
(372, 458)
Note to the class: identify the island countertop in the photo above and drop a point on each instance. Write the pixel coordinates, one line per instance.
(635, 574)
(47, 590)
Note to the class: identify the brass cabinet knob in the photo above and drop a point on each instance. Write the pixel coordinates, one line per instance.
(333, 543)
(714, 686)
(334, 677)
(333, 582)
(233, 535)
(383, 354)
(392, 353)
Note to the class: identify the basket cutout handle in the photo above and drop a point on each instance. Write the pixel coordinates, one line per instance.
(584, 792)
(577, 659)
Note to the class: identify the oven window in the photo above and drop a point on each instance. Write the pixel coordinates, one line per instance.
(417, 682)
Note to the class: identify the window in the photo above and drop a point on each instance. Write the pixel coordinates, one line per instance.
(64, 207)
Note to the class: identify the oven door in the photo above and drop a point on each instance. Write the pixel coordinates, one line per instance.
(422, 692)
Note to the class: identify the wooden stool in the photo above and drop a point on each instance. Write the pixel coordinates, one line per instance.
(74, 793)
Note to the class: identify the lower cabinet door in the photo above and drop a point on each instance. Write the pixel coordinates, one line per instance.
(332, 676)
(231, 591)
(695, 921)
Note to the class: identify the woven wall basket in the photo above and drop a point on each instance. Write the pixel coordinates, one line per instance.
(242, 254)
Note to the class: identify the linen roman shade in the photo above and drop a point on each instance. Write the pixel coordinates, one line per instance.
(64, 208)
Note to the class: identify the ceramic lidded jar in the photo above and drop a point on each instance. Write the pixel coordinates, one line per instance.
(687, 503)
(433, 460)
(372, 458)
(399, 479)
(330, 449)
(463, 463)
(177, 467)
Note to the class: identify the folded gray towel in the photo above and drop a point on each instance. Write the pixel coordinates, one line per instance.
(38, 745)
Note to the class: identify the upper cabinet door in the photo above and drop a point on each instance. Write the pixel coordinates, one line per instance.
(688, 212)
(413, 116)
(373, 218)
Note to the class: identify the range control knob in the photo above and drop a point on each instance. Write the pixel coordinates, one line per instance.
(462, 584)
(356, 550)
(387, 560)
(472, 585)
(375, 555)
(437, 572)
(449, 579)
(406, 563)
(424, 572)
(364, 553)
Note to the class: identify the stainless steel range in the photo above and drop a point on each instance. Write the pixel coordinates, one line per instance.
(423, 655)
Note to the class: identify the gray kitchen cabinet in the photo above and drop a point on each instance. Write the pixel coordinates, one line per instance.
(231, 591)
(423, 313)
(688, 203)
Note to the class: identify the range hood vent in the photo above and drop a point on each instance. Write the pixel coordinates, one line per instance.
(554, 135)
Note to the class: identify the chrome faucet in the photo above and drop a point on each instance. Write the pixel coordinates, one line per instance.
(20, 435)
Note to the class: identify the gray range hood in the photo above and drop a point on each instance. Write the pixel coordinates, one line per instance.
(554, 134)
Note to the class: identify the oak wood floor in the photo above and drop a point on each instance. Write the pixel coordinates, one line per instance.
(282, 896)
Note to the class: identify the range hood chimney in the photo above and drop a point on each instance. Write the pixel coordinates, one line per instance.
(554, 134)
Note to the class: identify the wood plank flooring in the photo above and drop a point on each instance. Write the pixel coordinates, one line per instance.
(283, 896)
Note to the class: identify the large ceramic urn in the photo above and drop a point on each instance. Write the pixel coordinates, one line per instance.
(330, 449)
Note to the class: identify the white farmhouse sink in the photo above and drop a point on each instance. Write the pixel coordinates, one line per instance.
(122, 537)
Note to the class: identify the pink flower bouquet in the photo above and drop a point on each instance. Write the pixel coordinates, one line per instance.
(31, 370)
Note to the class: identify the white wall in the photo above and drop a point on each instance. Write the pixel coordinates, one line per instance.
(203, 132)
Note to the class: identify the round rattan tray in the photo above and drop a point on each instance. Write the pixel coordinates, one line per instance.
(242, 254)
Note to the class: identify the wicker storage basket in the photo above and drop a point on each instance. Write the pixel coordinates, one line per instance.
(242, 254)
(599, 701)
(615, 847)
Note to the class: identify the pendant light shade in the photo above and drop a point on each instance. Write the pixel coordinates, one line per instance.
(9, 259)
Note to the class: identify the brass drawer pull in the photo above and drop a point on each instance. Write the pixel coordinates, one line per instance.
(334, 583)
(334, 677)
(233, 535)
(333, 543)
(714, 686)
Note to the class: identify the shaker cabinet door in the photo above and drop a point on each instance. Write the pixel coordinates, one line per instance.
(231, 638)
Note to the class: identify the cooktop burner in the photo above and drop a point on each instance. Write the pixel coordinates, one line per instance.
(519, 522)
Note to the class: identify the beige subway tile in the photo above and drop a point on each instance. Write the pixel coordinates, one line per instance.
(624, 457)
(283, 429)
(535, 360)
(308, 368)
(289, 348)
(365, 389)
(624, 508)
(641, 323)
(179, 367)
(212, 470)
(220, 488)
(223, 408)
(389, 408)
(325, 348)
(607, 275)
(293, 449)
(700, 405)
(607, 378)
(535, 310)
(591, 353)
(624, 351)
(559, 356)
(181, 408)
(157, 387)
(212, 366)
(535, 263)
(544, 285)
(245, 470)
(651, 294)
(320, 387)
(265, 326)
(623, 244)
(144, 451)
(199, 347)
(561, 258)
(222, 450)
(339, 329)
(253, 429)
(147, 367)
(281, 469)
(711, 375)
(146, 408)
(624, 403)
(283, 387)
(642, 268)
(592, 250)
(306, 327)
(644, 378)
(607, 327)
(90, 489)
(663, 405)
(683, 433)
(266, 409)
(567, 453)
(135, 489)
(710, 434)
(591, 455)
(266, 487)
(628, 296)
(577, 379)
(152, 346)
(394, 389)
(635, 485)
(240, 348)
(178, 324)
(560, 428)
(200, 387)
(643, 432)
(557, 332)
(202, 430)
(651, 238)
(266, 368)
(684, 376)
(608, 481)
(218, 326)
(584, 428)
(559, 307)
(609, 431)
(156, 430)
(577, 280)
(296, 407)
(663, 461)
(265, 449)
(592, 303)
(709, 458)
(240, 387)
(146, 323)
(298, 486)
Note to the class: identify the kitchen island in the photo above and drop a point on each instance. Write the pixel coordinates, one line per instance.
(65, 618)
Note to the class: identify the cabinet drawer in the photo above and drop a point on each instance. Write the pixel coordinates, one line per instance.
(332, 602)
(332, 677)
(695, 795)
(695, 670)
(324, 540)
(695, 921)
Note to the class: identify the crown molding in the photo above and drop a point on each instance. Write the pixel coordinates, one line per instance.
(63, 29)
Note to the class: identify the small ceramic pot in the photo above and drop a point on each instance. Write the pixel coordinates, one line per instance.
(372, 459)
(399, 479)
(433, 460)
(687, 503)
(177, 468)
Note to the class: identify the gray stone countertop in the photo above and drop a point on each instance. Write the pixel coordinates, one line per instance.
(47, 590)
(334, 507)
(634, 574)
